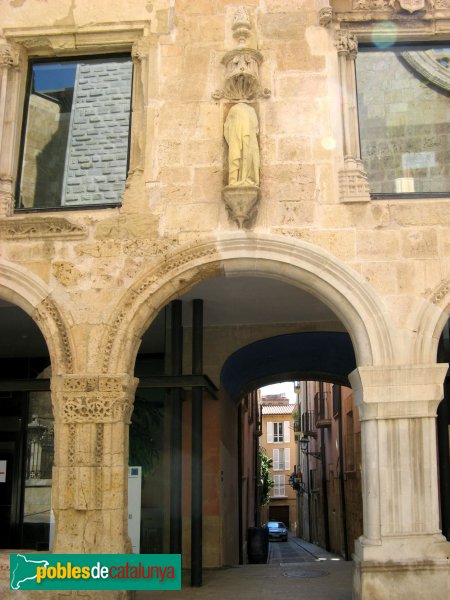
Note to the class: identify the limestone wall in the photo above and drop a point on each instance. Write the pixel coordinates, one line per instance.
(399, 247)
(94, 280)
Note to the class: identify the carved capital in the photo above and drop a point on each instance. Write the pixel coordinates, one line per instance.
(9, 56)
(94, 399)
(347, 43)
(140, 49)
(325, 16)
(6, 203)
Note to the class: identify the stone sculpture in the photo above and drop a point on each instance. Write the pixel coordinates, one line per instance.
(241, 133)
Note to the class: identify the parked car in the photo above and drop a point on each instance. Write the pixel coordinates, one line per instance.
(277, 531)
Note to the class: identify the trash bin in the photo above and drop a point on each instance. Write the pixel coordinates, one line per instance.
(257, 545)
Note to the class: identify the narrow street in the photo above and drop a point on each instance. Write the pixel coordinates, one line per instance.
(297, 551)
(296, 570)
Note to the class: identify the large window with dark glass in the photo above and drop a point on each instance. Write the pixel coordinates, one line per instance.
(404, 104)
(75, 135)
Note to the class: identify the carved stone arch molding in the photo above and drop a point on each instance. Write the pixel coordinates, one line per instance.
(432, 314)
(296, 262)
(24, 289)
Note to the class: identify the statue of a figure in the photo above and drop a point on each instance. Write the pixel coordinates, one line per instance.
(241, 133)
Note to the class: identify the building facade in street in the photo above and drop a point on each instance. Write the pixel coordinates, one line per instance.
(278, 443)
(199, 198)
(330, 505)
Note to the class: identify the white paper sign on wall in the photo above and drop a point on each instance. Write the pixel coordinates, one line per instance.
(134, 506)
(2, 471)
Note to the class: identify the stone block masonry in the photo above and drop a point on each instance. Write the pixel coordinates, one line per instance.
(96, 161)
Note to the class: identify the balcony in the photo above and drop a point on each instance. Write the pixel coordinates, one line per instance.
(308, 423)
(322, 410)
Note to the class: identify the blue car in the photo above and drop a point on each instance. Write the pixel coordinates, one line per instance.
(277, 531)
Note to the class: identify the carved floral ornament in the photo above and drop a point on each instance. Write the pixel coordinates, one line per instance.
(347, 43)
(91, 408)
(410, 6)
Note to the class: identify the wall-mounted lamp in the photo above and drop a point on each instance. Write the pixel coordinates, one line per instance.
(304, 442)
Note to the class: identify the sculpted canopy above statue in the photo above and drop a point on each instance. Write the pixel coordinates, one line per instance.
(241, 133)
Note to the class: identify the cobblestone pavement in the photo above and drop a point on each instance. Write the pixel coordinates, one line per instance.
(296, 570)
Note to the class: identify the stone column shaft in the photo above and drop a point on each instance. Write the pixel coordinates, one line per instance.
(9, 103)
(89, 492)
(402, 542)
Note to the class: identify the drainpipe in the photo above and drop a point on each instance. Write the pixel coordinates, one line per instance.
(341, 475)
(308, 495)
(323, 462)
(239, 482)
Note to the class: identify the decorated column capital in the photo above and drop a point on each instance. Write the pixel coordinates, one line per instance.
(140, 49)
(93, 399)
(9, 56)
(347, 44)
(398, 392)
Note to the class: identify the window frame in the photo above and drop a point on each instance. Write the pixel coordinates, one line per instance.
(279, 483)
(365, 46)
(21, 44)
(278, 438)
(24, 123)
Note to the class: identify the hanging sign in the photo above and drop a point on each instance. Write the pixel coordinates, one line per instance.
(2, 471)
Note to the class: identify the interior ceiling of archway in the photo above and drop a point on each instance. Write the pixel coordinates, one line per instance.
(227, 302)
(19, 334)
(231, 301)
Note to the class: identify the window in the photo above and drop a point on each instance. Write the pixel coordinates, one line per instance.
(281, 459)
(403, 105)
(278, 488)
(278, 432)
(75, 137)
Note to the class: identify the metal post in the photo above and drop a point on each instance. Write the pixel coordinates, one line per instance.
(176, 431)
(197, 447)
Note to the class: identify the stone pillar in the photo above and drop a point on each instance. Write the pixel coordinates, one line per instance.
(89, 495)
(9, 101)
(402, 553)
(353, 184)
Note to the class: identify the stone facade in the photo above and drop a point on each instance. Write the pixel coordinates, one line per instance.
(94, 280)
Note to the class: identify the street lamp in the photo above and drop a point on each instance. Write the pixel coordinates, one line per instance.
(304, 442)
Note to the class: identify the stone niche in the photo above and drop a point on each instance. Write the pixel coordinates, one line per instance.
(242, 87)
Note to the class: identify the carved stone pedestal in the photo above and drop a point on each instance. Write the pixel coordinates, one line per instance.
(241, 202)
(353, 183)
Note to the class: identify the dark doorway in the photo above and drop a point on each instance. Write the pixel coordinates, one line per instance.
(279, 513)
(13, 420)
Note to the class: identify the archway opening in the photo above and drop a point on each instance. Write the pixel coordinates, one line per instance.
(238, 311)
(26, 432)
